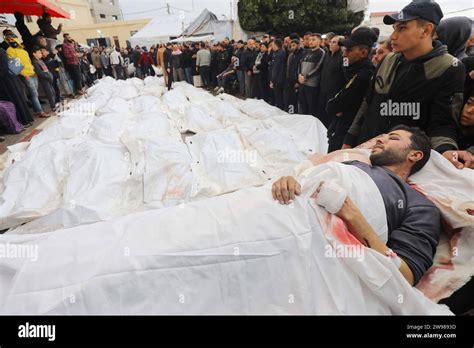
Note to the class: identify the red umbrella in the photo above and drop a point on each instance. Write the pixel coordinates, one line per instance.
(32, 8)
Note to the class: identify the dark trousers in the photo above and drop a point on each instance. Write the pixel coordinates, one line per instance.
(241, 78)
(75, 73)
(170, 79)
(292, 97)
(262, 89)
(99, 73)
(279, 93)
(147, 70)
(308, 100)
(205, 72)
(108, 71)
(48, 89)
(57, 91)
(119, 73)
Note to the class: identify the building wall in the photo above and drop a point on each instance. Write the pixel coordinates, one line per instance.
(104, 10)
(78, 10)
(121, 29)
(82, 25)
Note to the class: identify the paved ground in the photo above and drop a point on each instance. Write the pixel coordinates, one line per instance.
(11, 139)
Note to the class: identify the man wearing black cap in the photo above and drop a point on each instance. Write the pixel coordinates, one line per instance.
(358, 71)
(419, 85)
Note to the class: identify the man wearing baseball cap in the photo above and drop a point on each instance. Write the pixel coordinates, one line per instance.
(358, 71)
(419, 85)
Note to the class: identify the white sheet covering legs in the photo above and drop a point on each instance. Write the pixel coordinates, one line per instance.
(240, 253)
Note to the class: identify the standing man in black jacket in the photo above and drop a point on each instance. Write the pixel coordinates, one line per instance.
(168, 66)
(293, 65)
(358, 73)
(332, 78)
(240, 73)
(419, 85)
(309, 77)
(278, 74)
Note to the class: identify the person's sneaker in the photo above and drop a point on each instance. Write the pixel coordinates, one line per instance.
(220, 90)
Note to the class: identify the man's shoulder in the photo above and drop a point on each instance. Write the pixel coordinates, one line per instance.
(443, 64)
(417, 200)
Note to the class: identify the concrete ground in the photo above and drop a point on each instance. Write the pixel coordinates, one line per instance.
(38, 124)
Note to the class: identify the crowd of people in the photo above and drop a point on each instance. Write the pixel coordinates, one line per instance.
(425, 67)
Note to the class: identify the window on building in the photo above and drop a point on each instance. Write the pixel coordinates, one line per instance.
(102, 15)
(115, 17)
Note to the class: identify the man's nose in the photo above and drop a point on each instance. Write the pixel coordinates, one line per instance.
(382, 139)
(393, 36)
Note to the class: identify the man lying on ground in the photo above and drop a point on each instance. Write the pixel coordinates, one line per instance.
(414, 224)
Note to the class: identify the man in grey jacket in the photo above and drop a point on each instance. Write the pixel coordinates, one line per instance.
(105, 61)
(203, 64)
(310, 75)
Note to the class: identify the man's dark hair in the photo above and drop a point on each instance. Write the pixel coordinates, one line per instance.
(376, 31)
(367, 48)
(294, 36)
(420, 22)
(295, 42)
(65, 34)
(330, 35)
(35, 49)
(419, 142)
(318, 35)
(278, 43)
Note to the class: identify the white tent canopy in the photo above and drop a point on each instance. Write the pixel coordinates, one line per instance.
(207, 23)
(161, 29)
(194, 38)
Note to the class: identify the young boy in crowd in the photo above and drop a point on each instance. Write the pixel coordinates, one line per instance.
(45, 77)
(53, 67)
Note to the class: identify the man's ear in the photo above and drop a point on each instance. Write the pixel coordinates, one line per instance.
(428, 30)
(415, 156)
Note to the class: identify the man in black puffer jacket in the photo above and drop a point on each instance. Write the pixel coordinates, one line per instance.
(278, 71)
(332, 78)
(358, 73)
(294, 61)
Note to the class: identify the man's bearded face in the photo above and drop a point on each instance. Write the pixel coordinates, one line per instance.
(391, 149)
